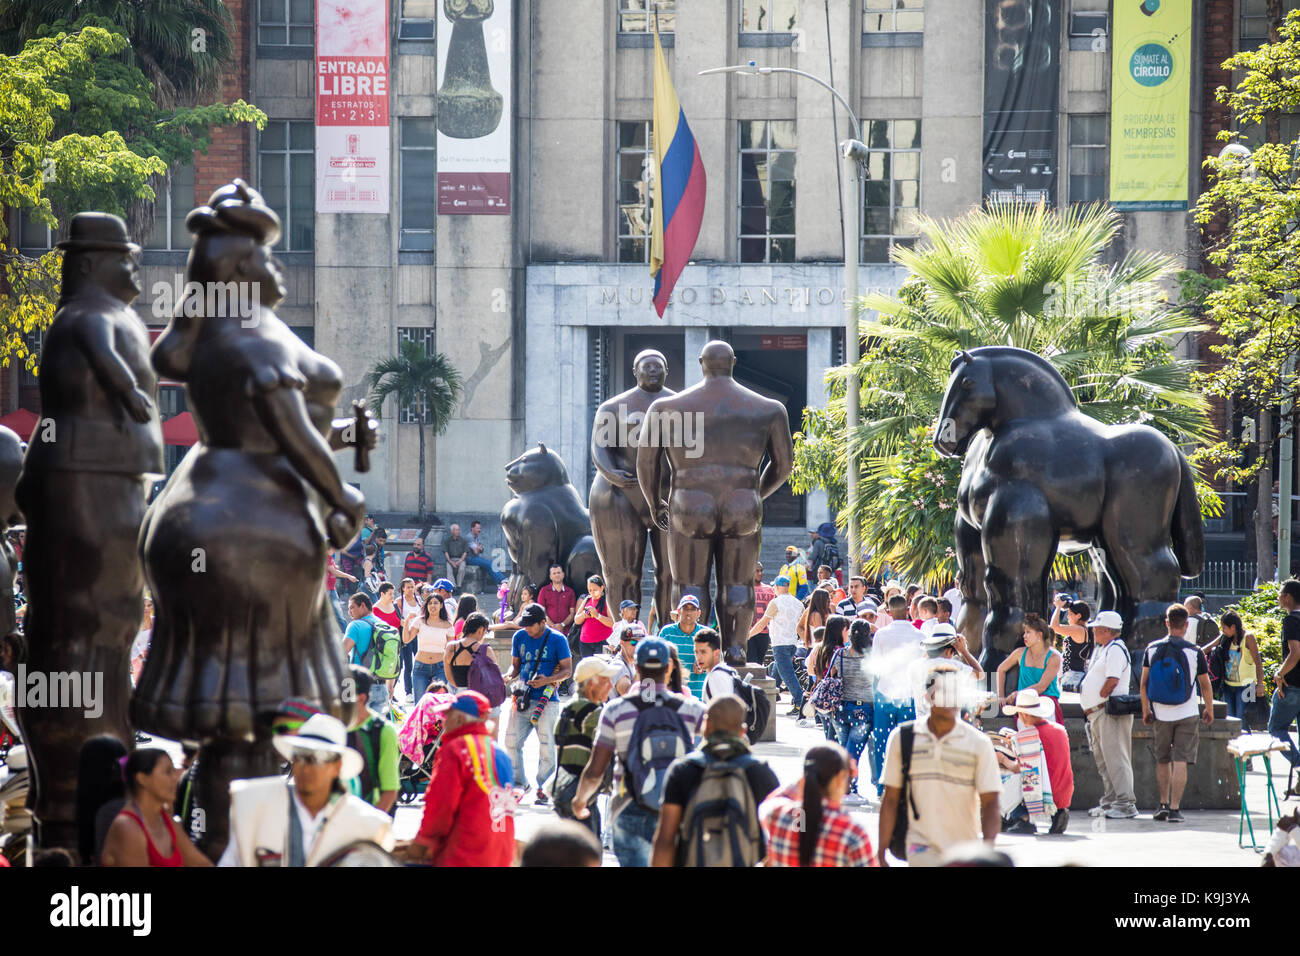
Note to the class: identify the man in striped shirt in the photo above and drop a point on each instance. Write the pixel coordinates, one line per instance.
(418, 566)
(634, 825)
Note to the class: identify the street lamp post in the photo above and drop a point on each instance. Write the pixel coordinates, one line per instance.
(853, 151)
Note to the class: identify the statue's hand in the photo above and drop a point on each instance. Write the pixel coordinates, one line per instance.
(138, 405)
(624, 479)
(661, 516)
(344, 521)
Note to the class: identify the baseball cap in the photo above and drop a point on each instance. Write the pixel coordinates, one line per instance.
(469, 702)
(791, 549)
(532, 614)
(443, 584)
(782, 581)
(1110, 619)
(690, 599)
(626, 604)
(943, 635)
(629, 631)
(597, 666)
(653, 652)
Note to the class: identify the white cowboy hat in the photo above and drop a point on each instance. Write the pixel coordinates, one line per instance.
(323, 734)
(1029, 702)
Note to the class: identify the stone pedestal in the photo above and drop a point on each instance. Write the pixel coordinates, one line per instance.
(1211, 781)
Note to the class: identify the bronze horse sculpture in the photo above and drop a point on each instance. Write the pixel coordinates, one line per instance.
(1041, 476)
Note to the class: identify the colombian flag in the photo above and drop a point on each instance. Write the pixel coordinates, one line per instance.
(679, 186)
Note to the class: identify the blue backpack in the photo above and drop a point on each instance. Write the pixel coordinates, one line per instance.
(1169, 682)
(659, 737)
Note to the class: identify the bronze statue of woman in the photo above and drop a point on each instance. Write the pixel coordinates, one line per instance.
(235, 545)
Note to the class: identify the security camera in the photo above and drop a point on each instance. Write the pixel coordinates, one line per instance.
(854, 149)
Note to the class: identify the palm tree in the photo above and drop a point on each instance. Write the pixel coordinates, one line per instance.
(421, 378)
(1013, 275)
(164, 35)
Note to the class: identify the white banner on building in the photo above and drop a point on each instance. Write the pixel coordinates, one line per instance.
(474, 108)
(352, 137)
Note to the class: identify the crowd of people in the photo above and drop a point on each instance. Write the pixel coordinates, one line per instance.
(645, 733)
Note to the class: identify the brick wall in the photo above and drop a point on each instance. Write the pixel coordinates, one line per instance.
(227, 157)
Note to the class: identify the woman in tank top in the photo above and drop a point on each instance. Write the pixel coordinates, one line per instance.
(855, 716)
(460, 654)
(1039, 662)
(431, 631)
(1077, 645)
(143, 833)
(1237, 654)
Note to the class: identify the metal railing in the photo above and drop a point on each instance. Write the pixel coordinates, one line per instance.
(1224, 577)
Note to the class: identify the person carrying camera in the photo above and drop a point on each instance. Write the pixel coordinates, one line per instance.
(539, 661)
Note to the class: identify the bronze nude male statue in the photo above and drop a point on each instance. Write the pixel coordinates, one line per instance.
(620, 517)
(82, 491)
(714, 508)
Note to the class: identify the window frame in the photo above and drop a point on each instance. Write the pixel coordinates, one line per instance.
(406, 414)
(648, 155)
(402, 149)
(767, 151)
(667, 16)
(286, 215)
(288, 25)
(894, 239)
(170, 243)
(403, 20)
(876, 8)
(769, 29)
(1245, 42)
(1071, 146)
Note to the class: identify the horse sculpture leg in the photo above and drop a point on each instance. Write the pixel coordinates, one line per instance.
(970, 578)
(1148, 579)
(1019, 542)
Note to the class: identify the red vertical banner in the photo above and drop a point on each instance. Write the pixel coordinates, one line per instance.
(352, 90)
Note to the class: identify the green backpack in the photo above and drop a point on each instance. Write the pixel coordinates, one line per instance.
(383, 657)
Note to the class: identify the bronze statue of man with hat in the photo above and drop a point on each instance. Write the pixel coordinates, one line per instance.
(82, 491)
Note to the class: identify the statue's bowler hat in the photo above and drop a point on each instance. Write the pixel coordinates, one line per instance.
(96, 231)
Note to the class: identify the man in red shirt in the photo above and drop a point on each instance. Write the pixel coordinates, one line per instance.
(468, 807)
(418, 566)
(756, 650)
(1038, 712)
(559, 600)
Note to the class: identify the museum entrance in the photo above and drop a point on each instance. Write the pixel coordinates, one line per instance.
(775, 364)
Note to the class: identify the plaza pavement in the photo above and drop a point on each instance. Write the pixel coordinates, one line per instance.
(1208, 838)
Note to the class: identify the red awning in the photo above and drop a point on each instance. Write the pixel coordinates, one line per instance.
(180, 430)
(22, 421)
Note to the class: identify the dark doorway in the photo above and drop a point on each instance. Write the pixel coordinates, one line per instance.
(671, 344)
(776, 365)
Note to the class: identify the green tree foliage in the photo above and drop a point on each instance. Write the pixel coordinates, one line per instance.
(1258, 252)
(1022, 276)
(80, 129)
(427, 380)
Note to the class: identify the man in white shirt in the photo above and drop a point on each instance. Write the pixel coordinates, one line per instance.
(1177, 731)
(953, 594)
(781, 621)
(1110, 736)
(325, 819)
(894, 648)
(708, 658)
(953, 780)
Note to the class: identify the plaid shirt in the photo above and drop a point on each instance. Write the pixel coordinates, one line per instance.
(843, 841)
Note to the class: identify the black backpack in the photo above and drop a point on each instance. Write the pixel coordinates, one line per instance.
(758, 709)
(831, 555)
(898, 839)
(720, 822)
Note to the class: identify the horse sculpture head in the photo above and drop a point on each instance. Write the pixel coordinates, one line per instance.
(967, 402)
(994, 384)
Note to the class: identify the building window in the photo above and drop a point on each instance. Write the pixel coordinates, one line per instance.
(1089, 23)
(1088, 158)
(893, 16)
(767, 190)
(637, 16)
(286, 163)
(891, 187)
(419, 176)
(768, 16)
(636, 176)
(284, 23)
(174, 202)
(1254, 21)
(34, 235)
(410, 414)
(419, 18)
